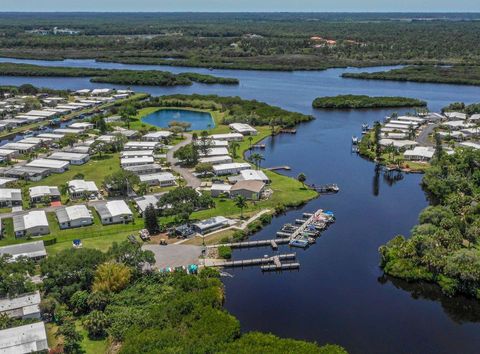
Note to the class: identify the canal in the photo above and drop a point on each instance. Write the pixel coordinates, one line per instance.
(339, 294)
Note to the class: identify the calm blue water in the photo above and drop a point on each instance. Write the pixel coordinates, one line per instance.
(339, 295)
(198, 120)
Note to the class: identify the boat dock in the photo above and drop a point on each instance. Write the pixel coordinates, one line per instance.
(288, 131)
(275, 261)
(248, 244)
(325, 188)
(258, 146)
(276, 168)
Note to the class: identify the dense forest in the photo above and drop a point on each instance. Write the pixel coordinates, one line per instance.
(250, 41)
(363, 101)
(236, 110)
(114, 76)
(458, 74)
(111, 302)
(443, 247)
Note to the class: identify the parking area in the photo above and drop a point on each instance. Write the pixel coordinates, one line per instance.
(174, 255)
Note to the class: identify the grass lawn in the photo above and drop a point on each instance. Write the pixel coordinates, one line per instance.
(210, 240)
(90, 346)
(94, 170)
(286, 191)
(94, 236)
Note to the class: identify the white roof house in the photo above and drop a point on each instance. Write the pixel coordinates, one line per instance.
(141, 145)
(56, 166)
(455, 115)
(34, 250)
(458, 124)
(51, 136)
(227, 137)
(136, 153)
(404, 122)
(470, 144)
(23, 306)
(114, 212)
(230, 168)
(38, 192)
(474, 117)
(220, 188)
(398, 144)
(208, 225)
(81, 125)
(162, 179)
(411, 119)
(216, 151)
(243, 129)
(10, 196)
(5, 180)
(419, 153)
(134, 161)
(215, 160)
(34, 223)
(157, 136)
(24, 339)
(74, 216)
(71, 157)
(23, 148)
(214, 143)
(79, 187)
(254, 175)
(144, 201)
(67, 131)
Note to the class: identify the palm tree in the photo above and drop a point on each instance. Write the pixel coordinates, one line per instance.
(234, 145)
(257, 159)
(240, 202)
(250, 140)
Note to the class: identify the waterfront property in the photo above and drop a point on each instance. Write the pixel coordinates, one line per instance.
(24, 306)
(216, 160)
(227, 137)
(205, 226)
(33, 223)
(114, 212)
(24, 339)
(243, 129)
(250, 189)
(74, 216)
(215, 151)
(33, 250)
(230, 168)
(419, 153)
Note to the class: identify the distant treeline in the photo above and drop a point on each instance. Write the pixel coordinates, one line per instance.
(113, 76)
(362, 101)
(248, 41)
(237, 110)
(457, 74)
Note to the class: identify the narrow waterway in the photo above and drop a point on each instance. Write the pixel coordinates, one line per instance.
(339, 294)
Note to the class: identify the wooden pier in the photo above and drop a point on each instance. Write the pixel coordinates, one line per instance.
(325, 188)
(258, 146)
(275, 260)
(276, 168)
(288, 131)
(285, 266)
(247, 244)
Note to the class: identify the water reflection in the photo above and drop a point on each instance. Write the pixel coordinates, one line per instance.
(460, 309)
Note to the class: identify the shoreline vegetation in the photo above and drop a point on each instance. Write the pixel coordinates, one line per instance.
(443, 247)
(115, 76)
(249, 41)
(363, 101)
(456, 74)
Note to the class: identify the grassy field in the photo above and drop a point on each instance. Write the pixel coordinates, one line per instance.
(90, 346)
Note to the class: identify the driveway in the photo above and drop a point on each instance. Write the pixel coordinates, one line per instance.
(191, 180)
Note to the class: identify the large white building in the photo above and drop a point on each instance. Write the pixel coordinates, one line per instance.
(71, 157)
(162, 179)
(38, 193)
(243, 129)
(56, 166)
(230, 168)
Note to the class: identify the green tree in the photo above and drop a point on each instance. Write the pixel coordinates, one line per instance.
(377, 128)
(96, 324)
(121, 182)
(151, 220)
(111, 277)
(256, 159)
(234, 146)
(187, 154)
(132, 255)
(302, 178)
(127, 112)
(204, 168)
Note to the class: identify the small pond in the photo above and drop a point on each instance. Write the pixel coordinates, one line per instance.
(198, 120)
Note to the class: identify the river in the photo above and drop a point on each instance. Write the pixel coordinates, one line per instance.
(339, 294)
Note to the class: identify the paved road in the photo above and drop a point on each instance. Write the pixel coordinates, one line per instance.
(191, 180)
(423, 139)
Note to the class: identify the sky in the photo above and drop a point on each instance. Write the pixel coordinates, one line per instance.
(242, 5)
